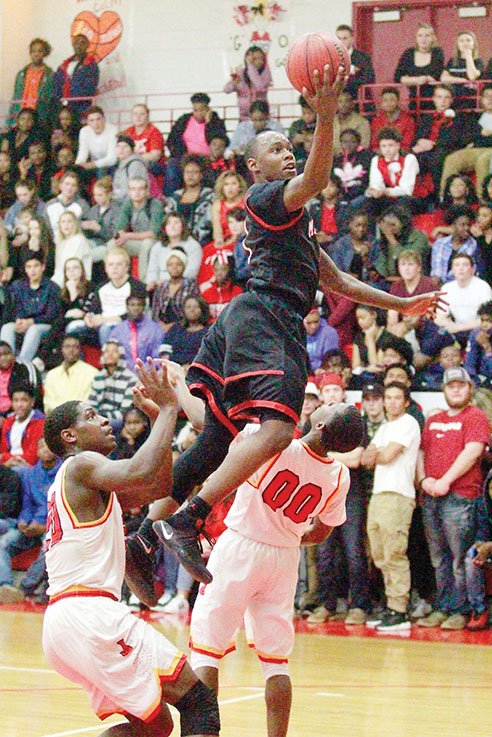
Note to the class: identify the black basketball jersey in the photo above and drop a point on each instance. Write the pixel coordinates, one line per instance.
(284, 252)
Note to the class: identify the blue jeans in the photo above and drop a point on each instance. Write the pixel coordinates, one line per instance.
(350, 536)
(475, 583)
(12, 543)
(449, 523)
(30, 342)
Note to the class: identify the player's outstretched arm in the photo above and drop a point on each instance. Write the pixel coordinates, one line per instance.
(334, 280)
(318, 165)
(142, 478)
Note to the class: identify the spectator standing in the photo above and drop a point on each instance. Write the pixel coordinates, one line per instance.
(478, 361)
(346, 117)
(449, 474)
(392, 116)
(130, 166)
(361, 69)
(420, 66)
(32, 307)
(68, 199)
(392, 175)
(138, 223)
(111, 390)
(77, 76)
(21, 430)
(139, 336)
(250, 81)
(97, 143)
(72, 379)
(393, 454)
(33, 86)
(107, 306)
(463, 69)
(175, 234)
(30, 527)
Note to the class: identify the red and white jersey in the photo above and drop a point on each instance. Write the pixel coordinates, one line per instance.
(276, 505)
(83, 554)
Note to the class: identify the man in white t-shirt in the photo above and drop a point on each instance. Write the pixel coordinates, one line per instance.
(393, 454)
(464, 295)
(295, 499)
(97, 142)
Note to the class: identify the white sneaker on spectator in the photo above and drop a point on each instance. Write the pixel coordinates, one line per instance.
(420, 609)
(177, 605)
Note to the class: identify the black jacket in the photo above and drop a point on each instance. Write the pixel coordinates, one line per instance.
(454, 134)
(175, 141)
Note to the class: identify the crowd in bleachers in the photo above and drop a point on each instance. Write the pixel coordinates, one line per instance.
(120, 244)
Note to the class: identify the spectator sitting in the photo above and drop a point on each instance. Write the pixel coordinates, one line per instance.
(459, 191)
(130, 166)
(7, 181)
(351, 251)
(320, 338)
(185, 337)
(10, 498)
(139, 336)
(33, 86)
(403, 374)
(169, 296)
(111, 390)
(475, 157)
(25, 193)
(341, 317)
(71, 243)
(174, 234)
(72, 379)
(68, 199)
(352, 165)
(97, 143)
(251, 81)
(395, 350)
(463, 295)
(138, 223)
(107, 306)
(192, 132)
(439, 134)
(99, 224)
(331, 388)
(39, 241)
(218, 161)
(236, 220)
(229, 192)
(412, 283)
(134, 433)
(64, 161)
(310, 403)
(194, 200)
(17, 140)
(77, 76)
(38, 167)
(392, 175)
(482, 230)
(32, 306)
(21, 430)
(74, 295)
(222, 289)
(420, 66)
(336, 361)
(66, 131)
(20, 234)
(329, 214)
(15, 374)
(431, 377)
(460, 241)
(299, 128)
(463, 68)
(392, 116)
(28, 530)
(361, 69)
(398, 235)
(149, 141)
(366, 352)
(346, 117)
(209, 254)
(478, 361)
(259, 121)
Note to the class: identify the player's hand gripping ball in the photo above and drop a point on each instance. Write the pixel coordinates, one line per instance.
(314, 51)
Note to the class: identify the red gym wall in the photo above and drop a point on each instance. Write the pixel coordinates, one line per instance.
(386, 41)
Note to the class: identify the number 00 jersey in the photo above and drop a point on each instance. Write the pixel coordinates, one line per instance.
(83, 554)
(276, 505)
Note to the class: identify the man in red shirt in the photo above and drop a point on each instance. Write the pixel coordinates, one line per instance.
(391, 115)
(450, 476)
(149, 141)
(222, 290)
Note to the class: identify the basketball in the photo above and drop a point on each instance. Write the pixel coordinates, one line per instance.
(313, 51)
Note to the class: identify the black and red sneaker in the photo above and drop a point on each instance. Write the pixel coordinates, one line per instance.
(186, 546)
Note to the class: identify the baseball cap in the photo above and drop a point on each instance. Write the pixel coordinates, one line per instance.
(456, 373)
(330, 380)
(374, 390)
(311, 388)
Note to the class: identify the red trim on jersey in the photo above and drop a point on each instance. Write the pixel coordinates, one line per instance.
(333, 494)
(237, 409)
(315, 455)
(69, 593)
(73, 517)
(214, 406)
(266, 225)
(266, 372)
(267, 469)
(208, 371)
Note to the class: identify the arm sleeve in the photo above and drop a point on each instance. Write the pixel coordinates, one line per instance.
(334, 513)
(403, 67)
(376, 180)
(124, 216)
(83, 154)
(153, 265)
(194, 253)
(110, 158)
(156, 217)
(472, 356)
(476, 428)
(406, 184)
(266, 205)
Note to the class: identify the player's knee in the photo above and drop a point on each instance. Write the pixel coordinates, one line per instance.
(199, 711)
(270, 670)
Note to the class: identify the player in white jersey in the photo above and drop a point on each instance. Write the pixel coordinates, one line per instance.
(124, 664)
(296, 498)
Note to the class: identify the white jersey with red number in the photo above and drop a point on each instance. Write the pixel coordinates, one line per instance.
(276, 505)
(83, 554)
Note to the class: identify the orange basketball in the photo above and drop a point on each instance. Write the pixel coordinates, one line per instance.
(313, 51)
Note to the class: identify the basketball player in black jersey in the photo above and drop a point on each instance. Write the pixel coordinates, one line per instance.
(253, 363)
